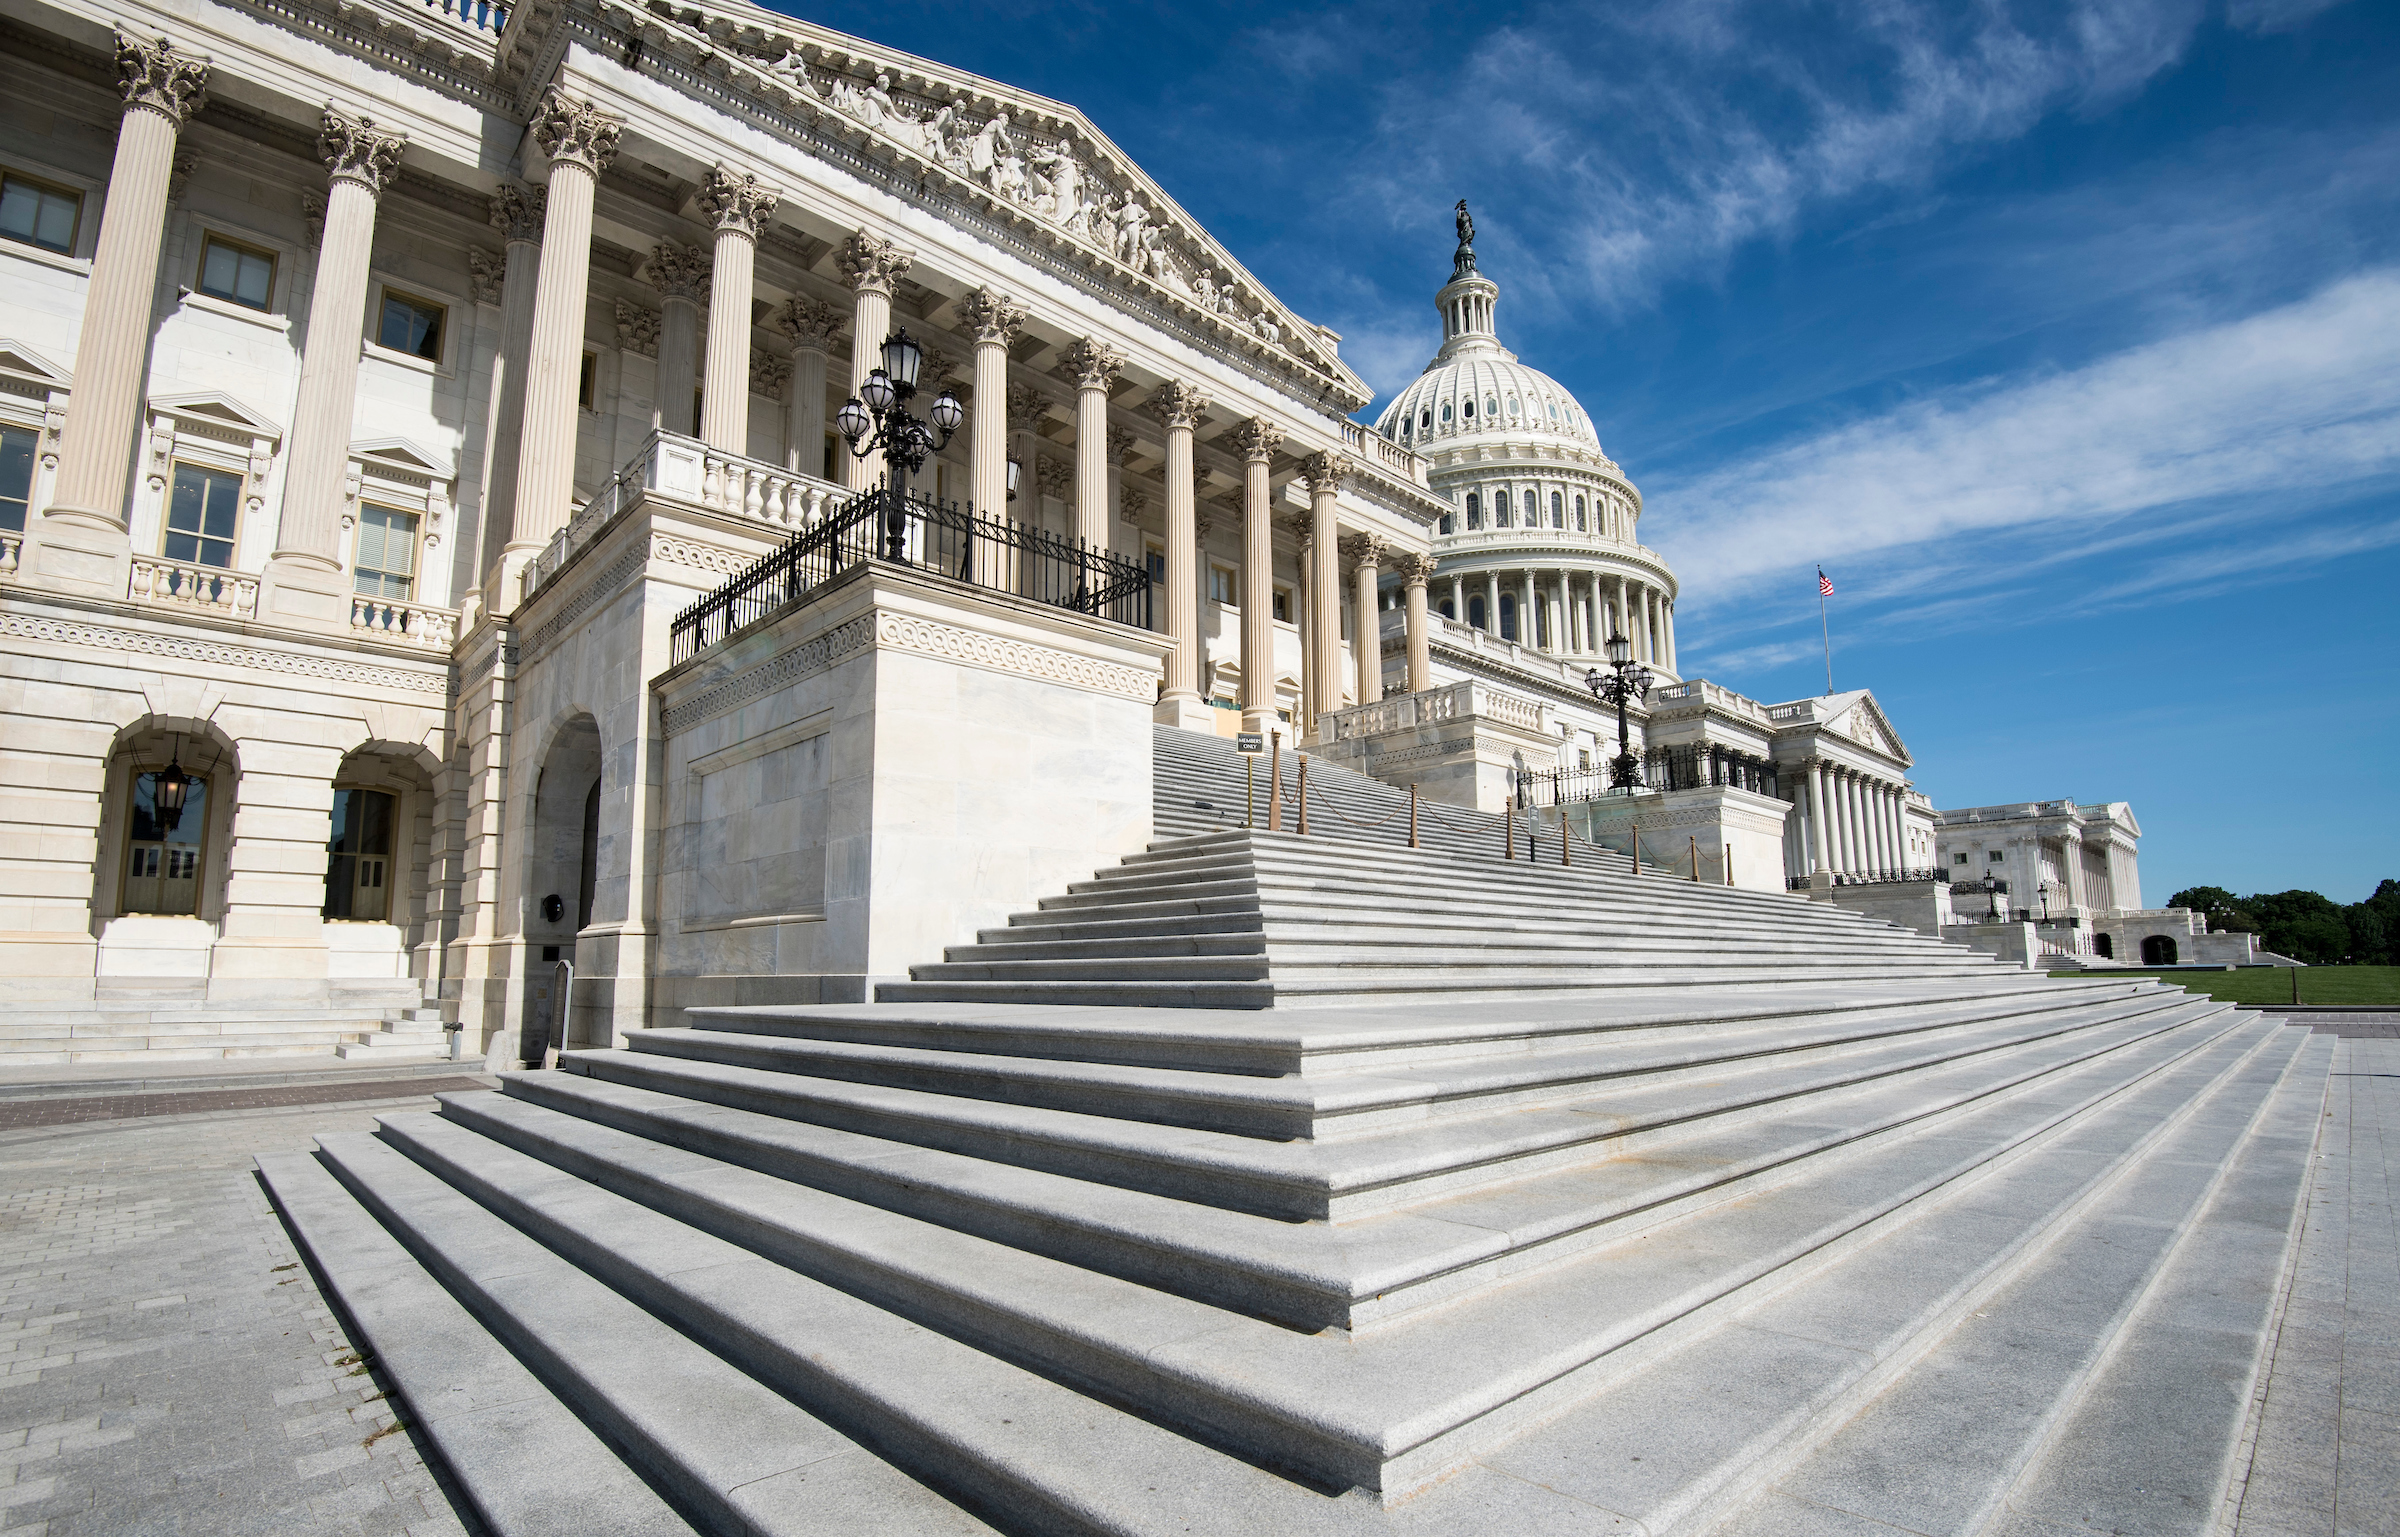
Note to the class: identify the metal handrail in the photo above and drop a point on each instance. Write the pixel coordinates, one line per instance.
(889, 524)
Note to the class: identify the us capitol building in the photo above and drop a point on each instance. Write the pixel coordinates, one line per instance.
(386, 389)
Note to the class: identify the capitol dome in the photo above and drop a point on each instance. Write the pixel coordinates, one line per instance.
(1543, 548)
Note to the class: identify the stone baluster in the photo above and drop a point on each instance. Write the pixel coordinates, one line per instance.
(1365, 552)
(304, 577)
(516, 212)
(681, 276)
(812, 324)
(1179, 408)
(871, 263)
(81, 542)
(1256, 440)
(738, 204)
(1093, 365)
(579, 140)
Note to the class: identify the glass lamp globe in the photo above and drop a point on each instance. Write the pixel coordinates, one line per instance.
(1620, 650)
(852, 420)
(901, 359)
(877, 391)
(948, 413)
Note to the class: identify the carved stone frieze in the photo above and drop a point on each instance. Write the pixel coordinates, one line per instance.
(736, 200)
(679, 272)
(811, 323)
(153, 77)
(991, 316)
(575, 132)
(355, 150)
(1091, 363)
(516, 211)
(871, 262)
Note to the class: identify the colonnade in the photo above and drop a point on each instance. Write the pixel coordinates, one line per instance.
(1856, 821)
(1572, 613)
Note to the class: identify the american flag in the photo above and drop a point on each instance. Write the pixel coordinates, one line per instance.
(1824, 583)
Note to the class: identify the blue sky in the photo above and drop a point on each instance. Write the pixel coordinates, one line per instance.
(2066, 336)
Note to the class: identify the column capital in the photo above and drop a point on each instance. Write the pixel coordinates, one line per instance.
(1255, 439)
(516, 212)
(575, 132)
(1301, 526)
(870, 262)
(992, 316)
(678, 272)
(810, 323)
(1056, 477)
(637, 329)
(355, 150)
(1324, 472)
(1364, 549)
(154, 77)
(769, 374)
(1177, 404)
(1416, 570)
(735, 201)
(1026, 406)
(1120, 443)
(1091, 363)
(487, 274)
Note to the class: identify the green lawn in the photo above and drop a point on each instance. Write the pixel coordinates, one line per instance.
(2273, 984)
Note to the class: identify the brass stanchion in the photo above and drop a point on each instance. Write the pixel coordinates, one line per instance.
(1275, 785)
(1637, 850)
(1304, 795)
(1566, 853)
(1695, 859)
(1412, 816)
(1508, 829)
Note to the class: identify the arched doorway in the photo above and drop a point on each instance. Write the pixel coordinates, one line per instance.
(2158, 950)
(379, 863)
(166, 831)
(2104, 946)
(561, 878)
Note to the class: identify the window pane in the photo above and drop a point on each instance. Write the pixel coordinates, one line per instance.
(16, 477)
(410, 327)
(38, 214)
(220, 268)
(202, 511)
(256, 271)
(162, 861)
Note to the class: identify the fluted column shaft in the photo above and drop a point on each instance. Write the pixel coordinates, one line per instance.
(1312, 678)
(1669, 617)
(679, 273)
(1256, 441)
(1458, 600)
(812, 325)
(1820, 846)
(579, 140)
(97, 446)
(517, 214)
(1415, 572)
(738, 205)
(871, 263)
(994, 320)
(1491, 603)
(1366, 625)
(1325, 472)
(1093, 365)
(1178, 407)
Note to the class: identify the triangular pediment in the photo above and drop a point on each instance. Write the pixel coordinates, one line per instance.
(1038, 164)
(403, 455)
(1864, 722)
(19, 361)
(219, 409)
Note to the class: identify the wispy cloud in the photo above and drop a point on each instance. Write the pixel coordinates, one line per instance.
(2267, 415)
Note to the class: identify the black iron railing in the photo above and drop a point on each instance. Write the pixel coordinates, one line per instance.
(1891, 877)
(1663, 768)
(902, 528)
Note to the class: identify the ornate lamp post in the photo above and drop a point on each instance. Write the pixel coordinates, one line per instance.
(877, 419)
(1628, 680)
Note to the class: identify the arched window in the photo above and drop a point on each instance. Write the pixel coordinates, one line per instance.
(164, 844)
(358, 857)
(1554, 413)
(1427, 423)
(1446, 614)
(1512, 405)
(1580, 526)
(1558, 510)
(1491, 405)
(1446, 523)
(1474, 510)
(1445, 410)
(1468, 408)
(1475, 613)
(1500, 508)
(1508, 616)
(1533, 511)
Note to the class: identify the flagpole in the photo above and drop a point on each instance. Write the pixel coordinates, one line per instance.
(1825, 629)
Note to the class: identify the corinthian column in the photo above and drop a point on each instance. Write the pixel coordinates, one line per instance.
(304, 580)
(1256, 441)
(812, 324)
(870, 262)
(994, 320)
(1365, 551)
(516, 212)
(1324, 473)
(738, 204)
(681, 276)
(82, 536)
(1178, 408)
(1093, 365)
(579, 140)
(1415, 572)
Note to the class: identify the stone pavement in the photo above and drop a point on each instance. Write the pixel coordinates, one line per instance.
(166, 1363)
(2326, 1461)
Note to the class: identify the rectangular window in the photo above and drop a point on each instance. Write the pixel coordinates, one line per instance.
(1283, 605)
(238, 274)
(201, 513)
(411, 325)
(38, 213)
(1998, 857)
(16, 478)
(1959, 859)
(387, 553)
(358, 860)
(1220, 584)
(587, 382)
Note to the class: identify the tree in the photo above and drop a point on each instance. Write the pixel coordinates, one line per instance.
(2210, 902)
(2304, 925)
(2370, 938)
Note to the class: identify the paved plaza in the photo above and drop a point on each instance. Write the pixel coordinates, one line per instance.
(167, 1364)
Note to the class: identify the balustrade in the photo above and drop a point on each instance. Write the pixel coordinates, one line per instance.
(688, 470)
(12, 553)
(193, 588)
(418, 624)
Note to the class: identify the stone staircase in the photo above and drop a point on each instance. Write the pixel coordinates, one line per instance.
(133, 1021)
(1449, 1197)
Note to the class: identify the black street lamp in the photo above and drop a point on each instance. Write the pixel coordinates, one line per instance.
(167, 791)
(876, 419)
(1629, 680)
